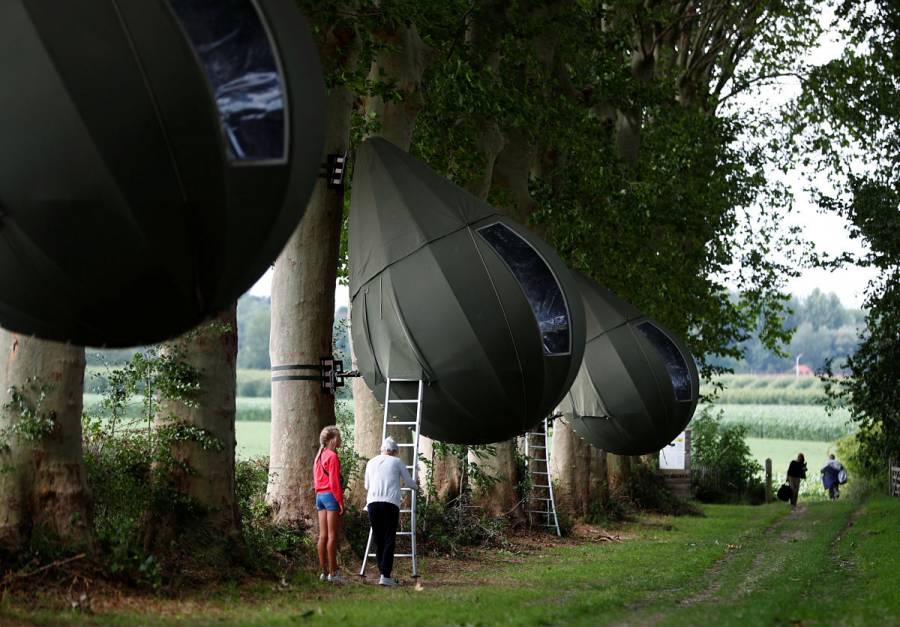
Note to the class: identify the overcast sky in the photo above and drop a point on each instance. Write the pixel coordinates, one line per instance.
(827, 231)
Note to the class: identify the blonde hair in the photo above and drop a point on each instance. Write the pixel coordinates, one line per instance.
(328, 434)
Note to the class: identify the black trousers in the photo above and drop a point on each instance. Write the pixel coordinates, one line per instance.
(384, 518)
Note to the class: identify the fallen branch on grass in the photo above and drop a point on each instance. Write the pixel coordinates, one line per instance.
(604, 537)
(10, 578)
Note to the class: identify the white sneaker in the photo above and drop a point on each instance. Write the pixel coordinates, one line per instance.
(323, 577)
(336, 578)
(387, 581)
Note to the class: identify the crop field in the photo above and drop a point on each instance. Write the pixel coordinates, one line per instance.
(248, 409)
(767, 390)
(787, 422)
(775, 423)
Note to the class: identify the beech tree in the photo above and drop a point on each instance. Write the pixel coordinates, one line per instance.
(43, 491)
(304, 281)
(201, 435)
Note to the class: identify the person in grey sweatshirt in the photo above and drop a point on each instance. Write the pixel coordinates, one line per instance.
(384, 474)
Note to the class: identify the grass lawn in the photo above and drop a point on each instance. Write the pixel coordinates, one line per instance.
(252, 438)
(826, 563)
(782, 452)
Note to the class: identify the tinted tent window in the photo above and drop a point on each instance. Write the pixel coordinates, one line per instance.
(537, 281)
(230, 40)
(672, 358)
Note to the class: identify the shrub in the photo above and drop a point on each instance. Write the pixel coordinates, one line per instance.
(444, 528)
(269, 546)
(723, 467)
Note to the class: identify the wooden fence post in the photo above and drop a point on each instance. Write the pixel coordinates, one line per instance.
(893, 477)
(768, 480)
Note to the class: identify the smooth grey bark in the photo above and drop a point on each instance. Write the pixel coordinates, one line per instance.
(618, 472)
(43, 487)
(301, 333)
(206, 475)
(499, 497)
(570, 470)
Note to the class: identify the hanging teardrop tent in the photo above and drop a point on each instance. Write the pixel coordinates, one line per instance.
(446, 290)
(637, 387)
(156, 156)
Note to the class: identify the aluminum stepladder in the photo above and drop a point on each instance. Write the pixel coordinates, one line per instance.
(408, 498)
(541, 505)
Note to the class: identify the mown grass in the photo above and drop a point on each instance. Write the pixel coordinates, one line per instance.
(828, 563)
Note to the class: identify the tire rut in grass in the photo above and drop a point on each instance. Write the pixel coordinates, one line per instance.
(845, 564)
(763, 564)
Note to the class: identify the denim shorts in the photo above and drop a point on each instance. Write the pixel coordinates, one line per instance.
(326, 501)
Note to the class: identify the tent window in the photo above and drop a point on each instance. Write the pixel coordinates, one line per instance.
(238, 58)
(672, 358)
(538, 283)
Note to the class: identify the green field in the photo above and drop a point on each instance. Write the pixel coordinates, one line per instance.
(252, 439)
(737, 565)
(781, 452)
(767, 390)
(248, 409)
(788, 422)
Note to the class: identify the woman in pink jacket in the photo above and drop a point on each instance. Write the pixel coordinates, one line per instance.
(329, 502)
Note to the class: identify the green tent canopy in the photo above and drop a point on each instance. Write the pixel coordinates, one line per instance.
(637, 387)
(156, 155)
(446, 290)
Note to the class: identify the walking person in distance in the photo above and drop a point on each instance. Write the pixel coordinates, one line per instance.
(831, 477)
(795, 474)
(384, 474)
(329, 502)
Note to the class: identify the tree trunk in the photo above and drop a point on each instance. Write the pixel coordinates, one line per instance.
(446, 472)
(205, 473)
(498, 497)
(599, 488)
(43, 488)
(404, 64)
(512, 175)
(573, 471)
(618, 469)
(302, 327)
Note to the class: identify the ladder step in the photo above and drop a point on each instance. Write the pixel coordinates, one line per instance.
(535, 446)
(403, 400)
(535, 472)
(401, 422)
(403, 554)
(540, 498)
(405, 380)
(405, 445)
(404, 533)
(536, 485)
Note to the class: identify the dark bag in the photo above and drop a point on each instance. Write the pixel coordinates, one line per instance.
(785, 492)
(843, 476)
